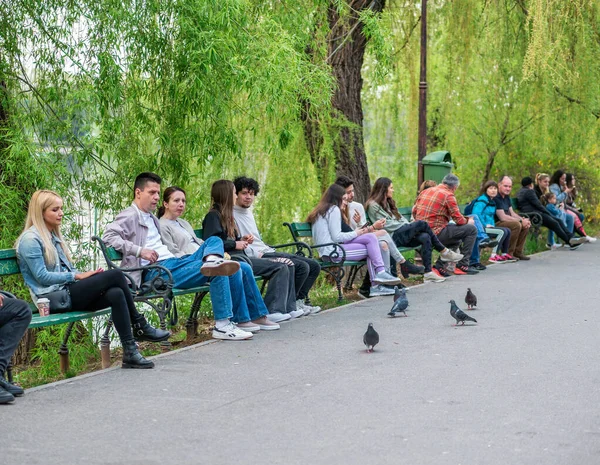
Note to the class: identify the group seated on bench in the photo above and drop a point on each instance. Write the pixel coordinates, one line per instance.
(346, 235)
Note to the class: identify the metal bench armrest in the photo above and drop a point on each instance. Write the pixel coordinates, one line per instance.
(335, 254)
(300, 246)
(157, 285)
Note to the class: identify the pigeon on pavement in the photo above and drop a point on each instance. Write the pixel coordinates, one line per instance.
(400, 302)
(458, 314)
(470, 299)
(371, 338)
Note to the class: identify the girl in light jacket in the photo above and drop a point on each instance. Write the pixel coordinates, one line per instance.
(326, 221)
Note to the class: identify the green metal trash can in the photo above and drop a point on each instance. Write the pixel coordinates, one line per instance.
(436, 165)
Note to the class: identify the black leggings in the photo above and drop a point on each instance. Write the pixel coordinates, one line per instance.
(107, 289)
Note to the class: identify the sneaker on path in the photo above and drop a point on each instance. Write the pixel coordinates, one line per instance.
(249, 326)
(278, 317)
(265, 324)
(231, 332)
(296, 314)
(577, 240)
(464, 269)
(440, 271)
(380, 290)
(433, 277)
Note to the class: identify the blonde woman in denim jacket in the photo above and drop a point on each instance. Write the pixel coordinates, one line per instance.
(46, 266)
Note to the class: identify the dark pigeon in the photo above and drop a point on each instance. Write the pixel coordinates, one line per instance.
(470, 299)
(459, 315)
(371, 338)
(400, 302)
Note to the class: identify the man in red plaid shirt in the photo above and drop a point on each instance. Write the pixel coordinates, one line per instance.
(437, 206)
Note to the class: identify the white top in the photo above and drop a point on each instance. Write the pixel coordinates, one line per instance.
(356, 207)
(244, 219)
(328, 228)
(153, 241)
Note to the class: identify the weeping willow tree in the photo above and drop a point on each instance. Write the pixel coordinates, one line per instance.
(100, 90)
(513, 88)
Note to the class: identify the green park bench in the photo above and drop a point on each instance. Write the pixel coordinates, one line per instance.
(335, 264)
(9, 266)
(163, 291)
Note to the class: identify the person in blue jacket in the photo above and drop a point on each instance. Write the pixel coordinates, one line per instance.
(484, 208)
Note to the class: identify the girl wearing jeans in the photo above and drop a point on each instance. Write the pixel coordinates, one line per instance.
(46, 265)
(326, 221)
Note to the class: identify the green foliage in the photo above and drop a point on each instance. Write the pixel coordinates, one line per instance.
(45, 360)
(513, 88)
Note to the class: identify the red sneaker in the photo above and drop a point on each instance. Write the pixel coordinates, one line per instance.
(509, 258)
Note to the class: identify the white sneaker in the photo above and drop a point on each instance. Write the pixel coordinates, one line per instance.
(590, 239)
(451, 256)
(301, 306)
(383, 277)
(314, 309)
(296, 313)
(433, 277)
(278, 317)
(380, 290)
(248, 326)
(231, 332)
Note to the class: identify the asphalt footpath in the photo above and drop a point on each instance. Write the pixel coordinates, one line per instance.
(519, 387)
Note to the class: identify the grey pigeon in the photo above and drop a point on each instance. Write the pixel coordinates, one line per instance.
(400, 302)
(470, 299)
(458, 314)
(371, 338)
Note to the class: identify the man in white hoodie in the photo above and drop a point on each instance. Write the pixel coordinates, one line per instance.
(306, 269)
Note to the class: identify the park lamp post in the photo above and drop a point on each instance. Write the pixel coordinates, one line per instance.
(422, 95)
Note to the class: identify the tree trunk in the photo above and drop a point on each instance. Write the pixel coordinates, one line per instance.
(346, 50)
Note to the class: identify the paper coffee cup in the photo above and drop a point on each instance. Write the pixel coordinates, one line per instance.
(43, 306)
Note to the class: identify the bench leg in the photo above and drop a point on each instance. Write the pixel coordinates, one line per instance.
(191, 325)
(105, 344)
(64, 350)
(338, 276)
(166, 306)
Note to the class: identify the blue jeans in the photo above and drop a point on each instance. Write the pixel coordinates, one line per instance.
(481, 234)
(475, 254)
(186, 275)
(248, 304)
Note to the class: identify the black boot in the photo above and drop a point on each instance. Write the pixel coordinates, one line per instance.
(13, 389)
(144, 331)
(132, 357)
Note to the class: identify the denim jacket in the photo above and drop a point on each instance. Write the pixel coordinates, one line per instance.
(556, 212)
(39, 276)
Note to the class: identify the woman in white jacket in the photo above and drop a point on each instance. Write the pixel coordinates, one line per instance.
(328, 226)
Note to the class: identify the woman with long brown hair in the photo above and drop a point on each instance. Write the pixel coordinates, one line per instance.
(48, 271)
(251, 313)
(381, 204)
(328, 227)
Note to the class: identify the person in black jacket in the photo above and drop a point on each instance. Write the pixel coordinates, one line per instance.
(528, 202)
(280, 297)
